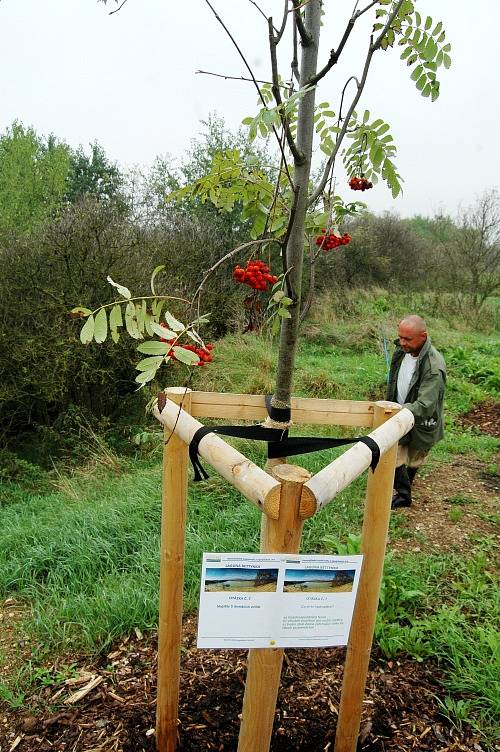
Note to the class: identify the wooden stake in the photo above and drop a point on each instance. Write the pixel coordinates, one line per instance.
(173, 535)
(373, 543)
(264, 666)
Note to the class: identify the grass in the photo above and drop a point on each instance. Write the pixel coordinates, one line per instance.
(82, 551)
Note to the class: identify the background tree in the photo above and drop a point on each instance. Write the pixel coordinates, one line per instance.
(472, 253)
(93, 174)
(33, 175)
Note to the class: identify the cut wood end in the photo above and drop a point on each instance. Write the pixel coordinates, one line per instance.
(272, 502)
(291, 473)
(308, 503)
(388, 407)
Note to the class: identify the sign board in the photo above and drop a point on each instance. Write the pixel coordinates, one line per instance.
(276, 600)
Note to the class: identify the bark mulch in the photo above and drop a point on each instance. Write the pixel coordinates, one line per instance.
(109, 705)
(485, 417)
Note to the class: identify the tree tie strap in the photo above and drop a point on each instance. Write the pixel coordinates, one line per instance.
(278, 443)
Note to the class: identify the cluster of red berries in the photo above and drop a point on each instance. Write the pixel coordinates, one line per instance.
(328, 240)
(204, 353)
(256, 274)
(359, 184)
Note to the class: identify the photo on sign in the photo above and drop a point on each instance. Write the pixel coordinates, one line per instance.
(221, 580)
(318, 581)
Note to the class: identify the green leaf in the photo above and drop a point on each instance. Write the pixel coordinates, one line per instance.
(421, 82)
(124, 291)
(153, 347)
(203, 319)
(115, 317)
(173, 323)
(156, 271)
(446, 60)
(284, 313)
(148, 324)
(145, 376)
(428, 23)
(376, 156)
(406, 52)
(87, 332)
(278, 296)
(186, 356)
(437, 29)
(417, 73)
(286, 301)
(275, 326)
(157, 308)
(80, 312)
(162, 331)
(194, 336)
(140, 315)
(130, 321)
(148, 364)
(101, 326)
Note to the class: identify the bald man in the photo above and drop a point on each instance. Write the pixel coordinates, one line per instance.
(417, 380)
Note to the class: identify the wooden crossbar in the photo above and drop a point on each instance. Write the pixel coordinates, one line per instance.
(304, 410)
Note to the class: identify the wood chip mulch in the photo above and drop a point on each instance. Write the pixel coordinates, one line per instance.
(109, 706)
(485, 417)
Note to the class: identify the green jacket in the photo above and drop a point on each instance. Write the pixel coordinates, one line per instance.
(425, 395)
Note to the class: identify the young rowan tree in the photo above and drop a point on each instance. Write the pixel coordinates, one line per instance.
(289, 212)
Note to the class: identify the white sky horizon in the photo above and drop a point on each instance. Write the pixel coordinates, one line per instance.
(129, 82)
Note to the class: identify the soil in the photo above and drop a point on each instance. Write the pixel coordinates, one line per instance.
(107, 704)
(485, 417)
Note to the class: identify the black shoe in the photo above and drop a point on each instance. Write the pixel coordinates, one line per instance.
(399, 501)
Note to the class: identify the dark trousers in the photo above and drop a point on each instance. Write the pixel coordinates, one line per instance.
(403, 478)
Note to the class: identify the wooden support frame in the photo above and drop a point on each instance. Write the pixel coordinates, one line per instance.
(286, 501)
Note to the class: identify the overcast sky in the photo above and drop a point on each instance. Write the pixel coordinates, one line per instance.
(129, 81)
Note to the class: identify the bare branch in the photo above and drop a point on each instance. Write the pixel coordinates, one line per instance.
(283, 24)
(360, 12)
(305, 37)
(219, 19)
(297, 155)
(392, 16)
(335, 54)
(360, 86)
(284, 242)
(239, 78)
(331, 159)
(229, 255)
(262, 13)
(117, 9)
(233, 40)
(295, 59)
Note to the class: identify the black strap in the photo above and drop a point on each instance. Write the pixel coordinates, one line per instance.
(279, 444)
(279, 414)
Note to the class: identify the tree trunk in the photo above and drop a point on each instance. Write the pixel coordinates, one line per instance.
(295, 245)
